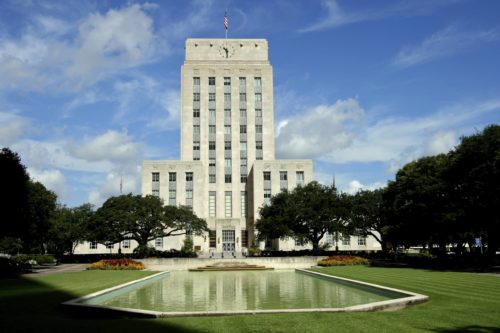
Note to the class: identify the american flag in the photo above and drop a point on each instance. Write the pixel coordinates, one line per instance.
(226, 22)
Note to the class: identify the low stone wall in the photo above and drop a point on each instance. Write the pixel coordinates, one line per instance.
(181, 264)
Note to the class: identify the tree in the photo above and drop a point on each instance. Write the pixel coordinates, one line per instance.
(306, 213)
(475, 178)
(41, 207)
(68, 228)
(13, 194)
(366, 215)
(142, 219)
(417, 204)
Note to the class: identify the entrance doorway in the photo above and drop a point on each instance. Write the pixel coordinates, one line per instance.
(228, 240)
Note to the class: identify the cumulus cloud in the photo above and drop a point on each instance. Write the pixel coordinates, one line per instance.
(117, 40)
(47, 55)
(319, 130)
(53, 180)
(111, 146)
(443, 43)
(340, 133)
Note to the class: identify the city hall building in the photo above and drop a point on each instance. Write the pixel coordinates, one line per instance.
(227, 168)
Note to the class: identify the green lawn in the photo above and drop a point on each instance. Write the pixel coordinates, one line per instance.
(459, 302)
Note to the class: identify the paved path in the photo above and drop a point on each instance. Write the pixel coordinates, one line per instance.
(63, 268)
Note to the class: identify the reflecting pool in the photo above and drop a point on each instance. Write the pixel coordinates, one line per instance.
(182, 291)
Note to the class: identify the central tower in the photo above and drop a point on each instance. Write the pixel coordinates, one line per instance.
(227, 168)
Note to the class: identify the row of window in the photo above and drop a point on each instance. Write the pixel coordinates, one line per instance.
(299, 175)
(346, 240)
(172, 187)
(227, 81)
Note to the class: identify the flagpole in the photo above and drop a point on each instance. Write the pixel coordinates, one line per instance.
(226, 22)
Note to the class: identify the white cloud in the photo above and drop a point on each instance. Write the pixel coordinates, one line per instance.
(53, 180)
(441, 44)
(338, 134)
(321, 129)
(355, 186)
(336, 16)
(12, 127)
(112, 146)
(117, 40)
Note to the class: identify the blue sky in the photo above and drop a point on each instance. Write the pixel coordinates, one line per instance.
(89, 89)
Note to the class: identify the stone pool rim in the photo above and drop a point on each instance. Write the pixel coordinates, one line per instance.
(393, 304)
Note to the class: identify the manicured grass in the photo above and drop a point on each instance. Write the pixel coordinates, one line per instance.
(459, 302)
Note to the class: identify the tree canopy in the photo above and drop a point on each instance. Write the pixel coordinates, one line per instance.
(306, 213)
(142, 218)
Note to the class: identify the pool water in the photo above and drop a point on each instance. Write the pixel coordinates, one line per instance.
(182, 291)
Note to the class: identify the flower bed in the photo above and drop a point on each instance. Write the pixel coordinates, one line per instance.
(117, 264)
(343, 261)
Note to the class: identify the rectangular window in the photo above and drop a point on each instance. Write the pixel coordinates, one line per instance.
(243, 97)
(227, 81)
(211, 129)
(93, 245)
(227, 129)
(258, 145)
(155, 176)
(211, 162)
(126, 244)
(196, 81)
(243, 113)
(328, 238)
(196, 113)
(211, 204)
(300, 178)
(258, 113)
(258, 82)
(243, 129)
(227, 97)
(243, 179)
(211, 114)
(212, 238)
(243, 82)
(189, 176)
(196, 97)
(189, 198)
(228, 204)
(196, 145)
(227, 113)
(110, 245)
(171, 176)
(361, 240)
(227, 145)
(243, 203)
(258, 97)
(267, 196)
(346, 240)
(211, 145)
(227, 163)
(211, 81)
(300, 242)
(211, 179)
(243, 146)
(227, 179)
(258, 129)
(155, 192)
(159, 243)
(267, 175)
(283, 180)
(243, 162)
(196, 130)
(171, 194)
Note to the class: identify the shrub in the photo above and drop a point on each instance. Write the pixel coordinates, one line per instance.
(117, 264)
(343, 260)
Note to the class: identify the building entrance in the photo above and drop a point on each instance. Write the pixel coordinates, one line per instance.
(228, 240)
